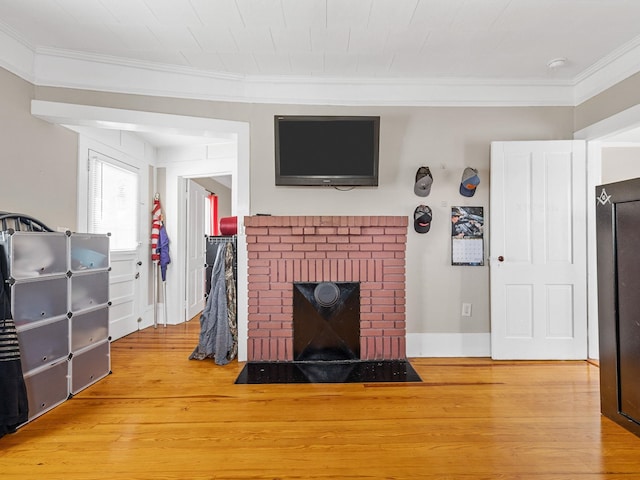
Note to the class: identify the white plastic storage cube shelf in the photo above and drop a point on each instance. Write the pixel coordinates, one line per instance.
(47, 388)
(88, 251)
(89, 290)
(90, 365)
(89, 327)
(41, 299)
(32, 255)
(44, 344)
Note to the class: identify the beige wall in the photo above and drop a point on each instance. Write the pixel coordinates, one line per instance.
(446, 139)
(38, 160)
(223, 193)
(620, 163)
(614, 100)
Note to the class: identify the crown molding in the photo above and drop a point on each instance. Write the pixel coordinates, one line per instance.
(56, 68)
(18, 56)
(69, 69)
(612, 69)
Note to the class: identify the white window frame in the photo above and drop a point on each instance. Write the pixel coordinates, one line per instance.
(96, 158)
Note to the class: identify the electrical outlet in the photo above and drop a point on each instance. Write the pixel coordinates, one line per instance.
(466, 309)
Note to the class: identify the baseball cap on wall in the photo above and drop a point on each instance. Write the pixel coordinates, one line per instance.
(470, 181)
(422, 217)
(424, 180)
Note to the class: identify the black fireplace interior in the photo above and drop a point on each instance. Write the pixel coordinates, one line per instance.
(326, 342)
(326, 321)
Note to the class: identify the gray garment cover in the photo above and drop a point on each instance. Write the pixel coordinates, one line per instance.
(216, 340)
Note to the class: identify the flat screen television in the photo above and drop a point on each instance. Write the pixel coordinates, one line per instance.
(327, 150)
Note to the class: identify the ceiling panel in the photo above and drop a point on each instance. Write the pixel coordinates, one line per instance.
(307, 63)
(174, 37)
(436, 13)
(407, 40)
(354, 14)
(367, 40)
(473, 15)
(291, 39)
(131, 12)
(91, 11)
(174, 12)
(239, 62)
(305, 14)
(261, 13)
(273, 64)
(329, 40)
(220, 14)
(252, 40)
(135, 37)
(392, 13)
(213, 40)
(369, 64)
(335, 64)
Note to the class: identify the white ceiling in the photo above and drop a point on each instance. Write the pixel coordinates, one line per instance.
(374, 52)
(381, 39)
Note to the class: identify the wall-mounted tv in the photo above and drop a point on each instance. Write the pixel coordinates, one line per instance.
(327, 150)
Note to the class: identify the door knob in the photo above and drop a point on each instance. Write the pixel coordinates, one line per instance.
(139, 263)
(501, 258)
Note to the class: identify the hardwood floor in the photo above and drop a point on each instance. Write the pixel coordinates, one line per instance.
(162, 416)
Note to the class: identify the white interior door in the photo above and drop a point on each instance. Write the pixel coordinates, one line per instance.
(124, 282)
(538, 250)
(196, 247)
(114, 199)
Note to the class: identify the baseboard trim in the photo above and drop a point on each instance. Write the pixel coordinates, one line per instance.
(448, 345)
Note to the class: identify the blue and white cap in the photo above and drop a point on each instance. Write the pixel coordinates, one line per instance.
(470, 181)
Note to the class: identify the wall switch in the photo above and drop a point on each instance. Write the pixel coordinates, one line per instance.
(466, 309)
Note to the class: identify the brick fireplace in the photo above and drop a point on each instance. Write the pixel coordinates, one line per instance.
(286, 249)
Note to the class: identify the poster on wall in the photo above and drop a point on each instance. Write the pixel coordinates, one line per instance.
(467, 242)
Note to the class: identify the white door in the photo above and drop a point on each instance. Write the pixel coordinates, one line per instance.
(538, 250)
(196, 247)
(114, 207)
(124, 281)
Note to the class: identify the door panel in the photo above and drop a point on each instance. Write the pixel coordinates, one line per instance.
(196, 248)
(123, 285)
(538, 250)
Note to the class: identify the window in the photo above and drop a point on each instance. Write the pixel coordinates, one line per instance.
(113, 204)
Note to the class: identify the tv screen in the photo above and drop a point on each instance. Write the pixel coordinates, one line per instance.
(326, 150)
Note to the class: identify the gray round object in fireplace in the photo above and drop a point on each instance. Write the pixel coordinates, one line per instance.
(326, 294)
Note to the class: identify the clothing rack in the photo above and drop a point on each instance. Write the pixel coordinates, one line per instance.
(213, 242)
(218, 322)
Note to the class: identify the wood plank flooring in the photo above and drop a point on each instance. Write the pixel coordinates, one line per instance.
(161, 416)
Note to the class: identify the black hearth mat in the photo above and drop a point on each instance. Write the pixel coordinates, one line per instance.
(351, 371)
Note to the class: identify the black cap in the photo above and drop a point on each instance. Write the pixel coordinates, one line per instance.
(422, 219)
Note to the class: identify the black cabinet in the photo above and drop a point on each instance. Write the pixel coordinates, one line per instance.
(618, 247)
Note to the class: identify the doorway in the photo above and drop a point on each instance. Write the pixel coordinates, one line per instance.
(623, 127)
(175, 174)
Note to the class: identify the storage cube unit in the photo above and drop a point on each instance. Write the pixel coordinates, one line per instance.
(33, 256)
(47, 388)
(89, 365)
(89, 328)
(59, 302)
(41, 299)
(89, 290)
(44, 344)
(88, 252)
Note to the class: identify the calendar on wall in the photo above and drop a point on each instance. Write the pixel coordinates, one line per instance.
(467, 239)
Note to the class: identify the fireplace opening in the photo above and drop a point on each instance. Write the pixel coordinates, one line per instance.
(326, 321)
